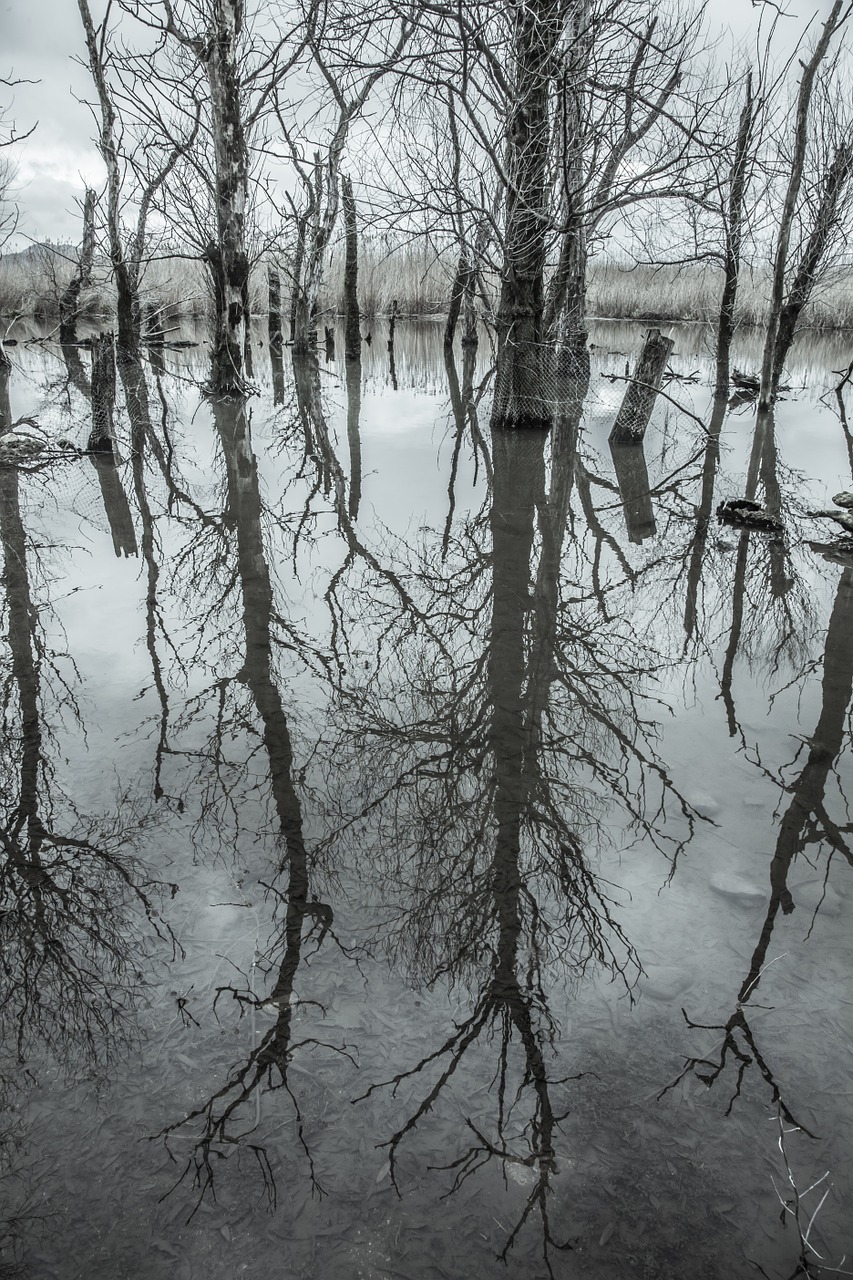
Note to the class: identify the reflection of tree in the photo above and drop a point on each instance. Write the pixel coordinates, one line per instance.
(805, 824)
(71, 898)
(225, 1120)
(484, 772)
(769, 605)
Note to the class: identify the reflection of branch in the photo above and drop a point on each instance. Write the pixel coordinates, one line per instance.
(221, 1118)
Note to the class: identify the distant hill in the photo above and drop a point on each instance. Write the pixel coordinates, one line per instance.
(35, 253)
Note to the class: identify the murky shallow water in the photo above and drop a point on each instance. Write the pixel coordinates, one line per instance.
(421, 850)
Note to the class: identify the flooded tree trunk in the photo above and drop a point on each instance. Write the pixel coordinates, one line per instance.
(459, 289)
(734, 241)
(639, 399)
(781, 254)
(274, 310)
(296, 274)
(102, 434)
(317, 233)
(102, 445)
(352, 340)
(227, 258)
(523, 372)
(835, 190)
(70, 300)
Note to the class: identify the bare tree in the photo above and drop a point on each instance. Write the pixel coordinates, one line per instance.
(787, 296)
(351, 59)
(127, 252)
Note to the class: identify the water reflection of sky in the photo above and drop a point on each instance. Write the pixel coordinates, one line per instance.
(471, 842)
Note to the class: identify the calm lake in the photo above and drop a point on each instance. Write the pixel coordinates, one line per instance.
(425, 853)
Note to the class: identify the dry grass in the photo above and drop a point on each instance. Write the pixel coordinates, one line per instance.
(418, 278)
(693, 293)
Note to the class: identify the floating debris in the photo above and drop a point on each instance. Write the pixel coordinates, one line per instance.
(746, 514)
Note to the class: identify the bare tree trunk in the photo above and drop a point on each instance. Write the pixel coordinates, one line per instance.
(228, 259)
(296, 276)
(458, 290)
(274, 308)
(352, 342)
(565, 310)
(522, 378)
(769, 386)
(125, 274)
(734, 241)
(82, 278)
(835, 188)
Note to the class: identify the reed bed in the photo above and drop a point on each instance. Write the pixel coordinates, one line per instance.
(418, 278)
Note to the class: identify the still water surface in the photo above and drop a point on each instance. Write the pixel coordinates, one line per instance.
(425, 853)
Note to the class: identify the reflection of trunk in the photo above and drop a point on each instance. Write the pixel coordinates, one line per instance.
(805, 820)
(353, 376)
(141, 433)
(227, 258)
(23, 651)
(77, 375)
(82, 278)
(521, 387)
(703, 512)
(632, 476)
(780, 582)
(244, 507)
(553, 521)
(519, 478)
(115, 505)
(277, 366)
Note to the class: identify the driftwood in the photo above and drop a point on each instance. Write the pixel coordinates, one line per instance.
(638, 402)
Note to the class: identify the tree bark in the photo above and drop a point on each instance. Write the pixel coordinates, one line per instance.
(69, 303)
(836, 186)
(228, 259)
(352, 341)
(103, 394)
(274, 311)
(769, 386)
(522, 377)
(734, 241)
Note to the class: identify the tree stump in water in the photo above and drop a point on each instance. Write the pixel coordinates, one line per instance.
(639, 400)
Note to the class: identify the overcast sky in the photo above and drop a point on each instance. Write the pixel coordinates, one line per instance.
(38, 41)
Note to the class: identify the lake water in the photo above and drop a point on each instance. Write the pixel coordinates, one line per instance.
(425, 853)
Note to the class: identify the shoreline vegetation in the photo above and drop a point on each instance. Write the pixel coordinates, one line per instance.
(417, 278)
